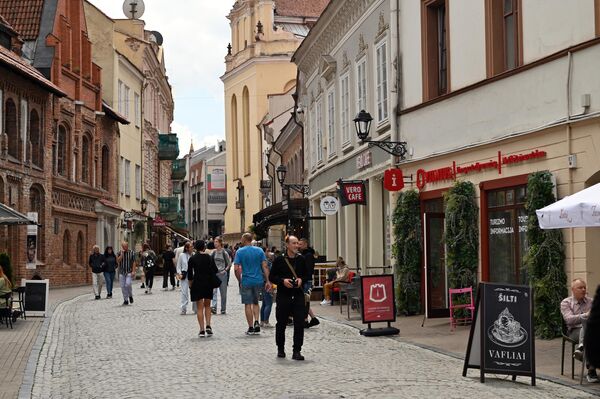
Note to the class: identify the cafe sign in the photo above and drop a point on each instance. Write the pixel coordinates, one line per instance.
(329, 205)
(352, 192)
(452, 172)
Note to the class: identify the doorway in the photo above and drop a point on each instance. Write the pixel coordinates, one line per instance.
(436, 273)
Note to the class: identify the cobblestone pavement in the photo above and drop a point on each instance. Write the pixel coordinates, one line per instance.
(105, 350)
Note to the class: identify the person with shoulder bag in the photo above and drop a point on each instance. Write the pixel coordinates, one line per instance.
(96, 263)
(223, 263)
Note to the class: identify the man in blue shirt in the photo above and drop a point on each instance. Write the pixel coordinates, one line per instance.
(251, 264)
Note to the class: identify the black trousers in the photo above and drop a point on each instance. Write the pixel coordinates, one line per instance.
(286, 306)
(169, 274)
(149, 277)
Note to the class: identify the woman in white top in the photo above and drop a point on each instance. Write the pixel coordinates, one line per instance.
(182, 269)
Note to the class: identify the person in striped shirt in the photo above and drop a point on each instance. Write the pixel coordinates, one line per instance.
(127, 262)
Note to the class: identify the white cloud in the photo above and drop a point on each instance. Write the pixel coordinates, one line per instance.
(187, 136)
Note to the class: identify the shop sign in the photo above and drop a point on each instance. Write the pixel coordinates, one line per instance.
(502, 338)
(329, 205)
(159, 222)
(265, 186)
(452, 172)
(393, 180)
(378, 298)
(352, 192)
(32, 232)
(364, 160)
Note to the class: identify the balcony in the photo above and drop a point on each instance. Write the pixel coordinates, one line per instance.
(168, 208)
(178, 169)
(168, 147)
(179, 222)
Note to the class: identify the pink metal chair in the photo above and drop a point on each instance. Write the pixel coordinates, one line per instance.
(470, 306)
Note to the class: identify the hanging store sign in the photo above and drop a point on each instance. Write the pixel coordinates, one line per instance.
(393, 180)
(452, 172)
(159, 222)
(352, 192)
(329, 205)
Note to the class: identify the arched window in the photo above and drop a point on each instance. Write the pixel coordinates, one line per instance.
(61, 151)
(10, 117)
(85, 159)
(105, 167)
(35, 139)
(80, 249)
(234, 137)
(2, 200)
(66, 247)
(246, 127)
(36, 204)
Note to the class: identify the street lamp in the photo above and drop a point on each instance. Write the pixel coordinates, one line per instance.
(362, 123)
(299, 188)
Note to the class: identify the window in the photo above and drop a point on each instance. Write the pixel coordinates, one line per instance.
(120, 105)
(507, 234)
(122, 176)
(382, 82)
(435, 50)
(10, 117)
(234, 136)
(35, 138)
(319, 131)
(127, 177)
(66, 246)
(345, 108)
(138, 182)
(61, 151)
(105, 167)
(361, 85)
(81, 249)
(503, 39)
(312, 137)
(36, 199)
(246, 127)
(126, 101)
(136, 107)
(85, 159)
(331, 122)
(23, 136)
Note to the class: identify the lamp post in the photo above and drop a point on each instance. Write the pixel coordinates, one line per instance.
(286, 189)
(362, 122)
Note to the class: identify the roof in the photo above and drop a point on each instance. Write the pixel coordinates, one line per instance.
(24, 16)
(110, 204)
(114, 114)
(19, 66)
(9, 216)
(295, 8)
(4, 25)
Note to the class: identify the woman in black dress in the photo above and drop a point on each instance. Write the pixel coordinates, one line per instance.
(202, 272)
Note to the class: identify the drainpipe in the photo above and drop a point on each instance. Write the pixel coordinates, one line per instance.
(568, 134)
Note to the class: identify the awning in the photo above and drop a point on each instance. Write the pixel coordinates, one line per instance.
(581, 209)
(9, 216)
(275, 215)
(176, 233)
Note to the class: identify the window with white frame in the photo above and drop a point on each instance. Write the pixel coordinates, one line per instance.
(138, 182)
(126, 101)
(361, 85)
(319, 131)
(120, 104)
(122, 176)
(136, 107)
(382, 81)
(345, 108)
(127, 177)
(331, 122)
(312, 137)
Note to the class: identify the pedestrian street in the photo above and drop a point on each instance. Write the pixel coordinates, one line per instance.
(99, 348)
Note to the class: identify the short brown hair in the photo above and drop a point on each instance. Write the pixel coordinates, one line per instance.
(246, 237)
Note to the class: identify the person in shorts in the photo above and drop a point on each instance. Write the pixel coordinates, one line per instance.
(252, 271)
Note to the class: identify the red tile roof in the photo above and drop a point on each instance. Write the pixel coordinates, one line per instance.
(297, 8)
(24, 16)
(12, 61)
(110, 204)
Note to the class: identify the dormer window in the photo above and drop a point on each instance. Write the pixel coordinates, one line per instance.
(5, 40)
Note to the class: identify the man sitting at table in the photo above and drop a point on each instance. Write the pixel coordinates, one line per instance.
(341, 275)
(575, 311)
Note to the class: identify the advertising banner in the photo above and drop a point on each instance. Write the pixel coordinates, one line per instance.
(32, 232)
(216, 178)
(352, 192)
(378, 298)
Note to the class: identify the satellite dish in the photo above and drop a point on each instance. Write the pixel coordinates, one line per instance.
(156, 37)
(133, 9)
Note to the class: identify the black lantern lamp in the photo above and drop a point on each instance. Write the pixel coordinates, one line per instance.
(144, 204)
(281, 172)
(362, 123)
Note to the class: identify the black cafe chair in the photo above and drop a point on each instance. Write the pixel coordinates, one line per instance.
(20, 291)
(6, 309)
(573, 343)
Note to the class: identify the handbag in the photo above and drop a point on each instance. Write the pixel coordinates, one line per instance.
(215, 281)
(306, 295)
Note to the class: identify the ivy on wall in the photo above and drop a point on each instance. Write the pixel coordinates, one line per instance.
(407, 250)
(462, 235)
(545, 259)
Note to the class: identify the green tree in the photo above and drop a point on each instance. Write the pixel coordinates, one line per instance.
(407, 250)
(545, 259)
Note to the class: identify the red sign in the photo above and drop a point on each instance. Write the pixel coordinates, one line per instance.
(352, 192)
(393, 180)
(451, 172)
(159, 222)
(378, 298)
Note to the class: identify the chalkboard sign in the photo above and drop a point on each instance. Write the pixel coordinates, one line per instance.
(501, 340)
(36, 297)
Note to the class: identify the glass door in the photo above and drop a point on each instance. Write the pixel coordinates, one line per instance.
(436, 275)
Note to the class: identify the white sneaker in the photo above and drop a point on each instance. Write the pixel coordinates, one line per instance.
(325, 302)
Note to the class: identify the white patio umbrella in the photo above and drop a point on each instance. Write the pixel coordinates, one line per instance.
(581, 209)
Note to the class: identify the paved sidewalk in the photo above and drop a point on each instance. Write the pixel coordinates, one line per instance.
(102, 349)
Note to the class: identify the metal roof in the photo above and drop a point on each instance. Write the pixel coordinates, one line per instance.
(9, 216)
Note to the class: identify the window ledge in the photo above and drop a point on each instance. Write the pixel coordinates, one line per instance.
(347, 147)
(383, 125)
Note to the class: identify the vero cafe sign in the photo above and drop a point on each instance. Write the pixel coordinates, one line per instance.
(452, 172)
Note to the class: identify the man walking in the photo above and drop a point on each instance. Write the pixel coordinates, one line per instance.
(148, 260)
(289, 272)
(309, 258)
(252, 270)
(223, 262)
(182, 270)
(168, 268)
(127, 267)
(96, 262)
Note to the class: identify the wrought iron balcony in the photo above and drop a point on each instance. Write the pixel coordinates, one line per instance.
(168, 147)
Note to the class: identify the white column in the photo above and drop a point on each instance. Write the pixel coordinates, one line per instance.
(331, 237)
(350, 235)
(375, 224)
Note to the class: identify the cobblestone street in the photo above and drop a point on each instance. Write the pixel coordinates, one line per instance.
(105, 350)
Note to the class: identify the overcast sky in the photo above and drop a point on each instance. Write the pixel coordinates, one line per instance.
(196, 33)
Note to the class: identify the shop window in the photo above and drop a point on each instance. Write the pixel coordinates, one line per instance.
(507, 234)
(503, 35)
(435, 48)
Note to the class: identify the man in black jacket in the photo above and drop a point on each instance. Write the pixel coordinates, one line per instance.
(96, 262)
(290, 296)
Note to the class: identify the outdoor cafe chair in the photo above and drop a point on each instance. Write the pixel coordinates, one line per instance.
(21, 301)
(573, 343)
(6, 309)
(469, 306)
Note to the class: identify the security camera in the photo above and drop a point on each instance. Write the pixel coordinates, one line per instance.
(299, 110)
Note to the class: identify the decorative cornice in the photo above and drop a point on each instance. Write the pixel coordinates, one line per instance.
(383, 26)
(362, 47)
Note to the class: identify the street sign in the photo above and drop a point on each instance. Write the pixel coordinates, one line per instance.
(501, 340)
(329, 205)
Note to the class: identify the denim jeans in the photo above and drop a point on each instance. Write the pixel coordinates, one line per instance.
(267, 304)
(185, 295)
(109, 277)
(125, 281)
(223, 290)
